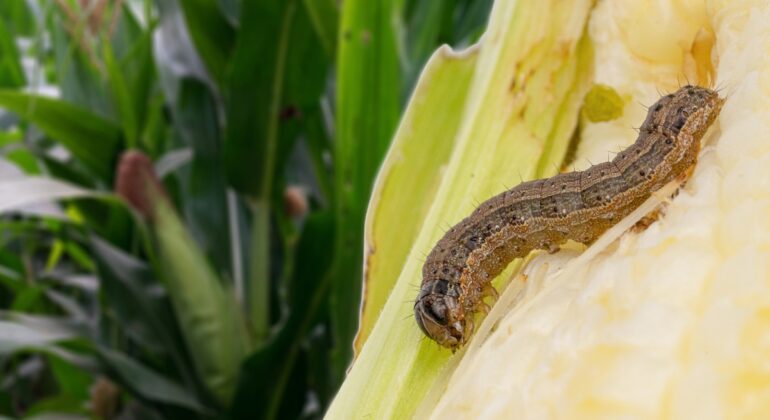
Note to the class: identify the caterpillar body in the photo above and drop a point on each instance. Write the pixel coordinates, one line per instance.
(542, 214)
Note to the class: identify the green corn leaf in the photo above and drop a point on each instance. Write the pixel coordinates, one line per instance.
(20, 192)
(11, 73)
(122, 97)
(77, 69)
(209, 29)
(254, 95)
(91, 139)
(146, 383)
(368, 107)
(16, 336)
(18, 16)
(126, 287)
(202, 183)
(325, 16)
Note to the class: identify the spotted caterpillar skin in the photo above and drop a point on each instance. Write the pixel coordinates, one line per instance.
(544, 213)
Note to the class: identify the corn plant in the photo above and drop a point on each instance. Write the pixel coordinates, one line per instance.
(183, 196)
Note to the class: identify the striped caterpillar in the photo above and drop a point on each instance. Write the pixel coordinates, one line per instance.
(544, 213)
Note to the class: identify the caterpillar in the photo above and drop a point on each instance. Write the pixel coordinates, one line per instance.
(542, 214)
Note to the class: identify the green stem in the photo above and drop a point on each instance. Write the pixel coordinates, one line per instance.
(275, 104)
(259, 294)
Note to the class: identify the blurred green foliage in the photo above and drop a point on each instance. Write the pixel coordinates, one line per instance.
(241, 299)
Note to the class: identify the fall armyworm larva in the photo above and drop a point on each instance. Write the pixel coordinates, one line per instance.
(544, 213)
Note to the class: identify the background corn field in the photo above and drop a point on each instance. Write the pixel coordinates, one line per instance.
(237, 294)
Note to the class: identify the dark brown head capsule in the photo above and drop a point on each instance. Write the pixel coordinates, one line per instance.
(439, 314)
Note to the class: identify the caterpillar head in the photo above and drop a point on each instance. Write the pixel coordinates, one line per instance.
(690, 109)
(440, 315)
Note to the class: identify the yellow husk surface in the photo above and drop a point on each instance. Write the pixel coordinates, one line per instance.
(671, 322)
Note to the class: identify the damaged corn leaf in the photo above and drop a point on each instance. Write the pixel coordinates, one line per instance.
(519, 113)
(410, 176)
